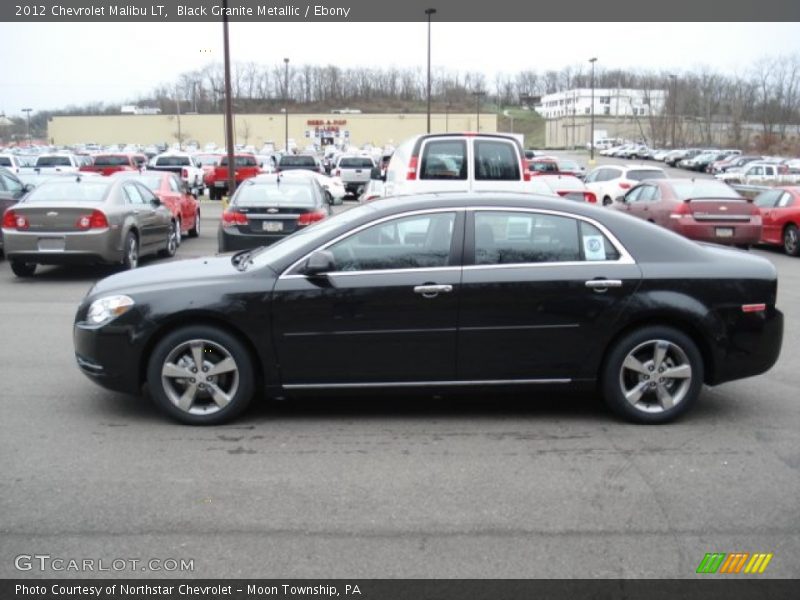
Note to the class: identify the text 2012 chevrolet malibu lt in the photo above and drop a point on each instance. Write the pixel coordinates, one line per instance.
(440, 292)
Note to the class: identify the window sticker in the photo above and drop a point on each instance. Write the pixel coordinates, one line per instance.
(594, 247)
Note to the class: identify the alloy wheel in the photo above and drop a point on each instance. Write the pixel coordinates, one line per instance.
(655, 376)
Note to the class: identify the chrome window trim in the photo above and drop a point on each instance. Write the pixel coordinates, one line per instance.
(402, 384)
(625, 257)
(286, 274)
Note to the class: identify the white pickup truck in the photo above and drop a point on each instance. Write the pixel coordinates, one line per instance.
(10, 162)
(57, 163)
(760, 174)
(354, 171)
(458, 162)
(184, 165)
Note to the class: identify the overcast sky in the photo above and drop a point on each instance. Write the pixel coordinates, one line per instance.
(52, 65)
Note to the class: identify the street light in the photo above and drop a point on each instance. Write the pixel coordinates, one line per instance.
(286, 104)
(478, 95)
(447, 117)
(591, 139)
(228, 101)
(429, 12)
(178, 115)
(674, 105)
(28, 113)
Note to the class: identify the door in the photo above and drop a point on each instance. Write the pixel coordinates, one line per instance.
(11, 190)
(779, 217)
(386, 315)
(147, 221)
(496, 166)
(540, 297)
(443, 165)
(770, 225)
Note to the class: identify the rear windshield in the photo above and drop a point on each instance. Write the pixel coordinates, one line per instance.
(153, 182)
(568, 164)
(172, 161)
(642, 174)
(53, 161)
(298, 161)
(283, 194)
(704, 189)
(111, 161)
(69, 191)
(5, 161)
(355, 163)
(207, 160)
(240, 161)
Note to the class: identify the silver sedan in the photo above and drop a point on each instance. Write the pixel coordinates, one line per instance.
(87, 221)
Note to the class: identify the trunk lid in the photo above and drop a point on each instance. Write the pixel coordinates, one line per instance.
(52, 217)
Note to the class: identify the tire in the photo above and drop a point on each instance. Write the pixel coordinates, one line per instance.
(22, 269)
(791, 240)
(607, 201)
(212, 194)
(195, 231)
(211, 398)
(130, 256)
(172, 241)
(632, 368)
(180, 231)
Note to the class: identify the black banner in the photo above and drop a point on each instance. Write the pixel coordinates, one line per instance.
(403, 11)
(398, 589)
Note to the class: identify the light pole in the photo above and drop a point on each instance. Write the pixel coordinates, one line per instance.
(591, 139)
(674, 105)
(478, 95)
(228, 102)
(27, 111)
(447, 117)
(178, 116)
(286, 104)
(429, 12)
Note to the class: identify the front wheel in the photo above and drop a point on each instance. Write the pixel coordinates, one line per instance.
(22, 269)
(172, 241)
(195, 231)
(652, 375)
(201, 375)
(791, 241)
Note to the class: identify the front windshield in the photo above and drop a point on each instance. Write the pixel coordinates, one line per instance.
(287, 246)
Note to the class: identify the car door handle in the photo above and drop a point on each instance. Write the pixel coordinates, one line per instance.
(431, 291)
(601, 285)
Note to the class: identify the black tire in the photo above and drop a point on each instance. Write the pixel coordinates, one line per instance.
(791, 240)
(130, 251)
(643, 380)
(215, 347)
(195, 231)
(173, 235)
(212, 194)
(607, 201)
(22, 269)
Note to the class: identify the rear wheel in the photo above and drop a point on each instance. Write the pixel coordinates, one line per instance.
(201, 375)
(195, 231)
(606, 200)
(22, 269)
(172, 241)
(130, 259)
(791, 241)
(652, 375)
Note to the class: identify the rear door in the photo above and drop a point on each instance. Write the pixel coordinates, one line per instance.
(496, 165)
(443, 165)
(386, 316)
(147, 221)
(542, 290)
(774, 206)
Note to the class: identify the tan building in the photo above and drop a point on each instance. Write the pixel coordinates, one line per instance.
(257, 129)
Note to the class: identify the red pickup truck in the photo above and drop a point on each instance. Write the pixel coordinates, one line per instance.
(245, 167)
(106, 164)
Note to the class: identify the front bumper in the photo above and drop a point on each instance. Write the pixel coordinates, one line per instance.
(108, 356)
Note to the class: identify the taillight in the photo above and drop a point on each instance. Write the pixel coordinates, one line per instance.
(232, 218)
(526, 174)
(590, 197)
(338, 172)
(185, 173)
(95, 220)
(624, 186)
(12, 220)
(682, 210)
(751, 308)
(310, 217)
(412, 169)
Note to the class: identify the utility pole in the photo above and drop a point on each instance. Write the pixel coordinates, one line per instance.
(591, 141)
(228, 102)
(27, 111)
(429, 12)
(286, 105)
(674, 105)
(478, 96)
(178, 115)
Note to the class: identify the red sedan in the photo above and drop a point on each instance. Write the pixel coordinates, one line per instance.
(702, 209)
(780, 215)
(169, 190)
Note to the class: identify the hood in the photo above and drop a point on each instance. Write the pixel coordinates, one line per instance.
(181, 273)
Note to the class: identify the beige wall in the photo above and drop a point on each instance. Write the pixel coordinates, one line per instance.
(377, 129)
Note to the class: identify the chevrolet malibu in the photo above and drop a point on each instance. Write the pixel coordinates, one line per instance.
(480, 291)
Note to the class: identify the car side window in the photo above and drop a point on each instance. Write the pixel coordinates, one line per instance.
(767, 199)
(133, 194)
(647, 194)
(516, 237)
(785, 200)
(10, 184)
(416, 242)
(595, 246)
(444, 159)
(591, 177)
(174, 185)
(634, 195)
(496, 161)
(145, 193)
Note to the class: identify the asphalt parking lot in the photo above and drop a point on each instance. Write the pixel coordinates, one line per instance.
(488, 486)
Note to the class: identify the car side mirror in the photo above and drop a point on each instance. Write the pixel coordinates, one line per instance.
(27, 188)
(328, 197)
(319, 263)
(155, 201)
(376, 174)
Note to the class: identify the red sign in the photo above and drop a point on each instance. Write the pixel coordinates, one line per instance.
(322, 122)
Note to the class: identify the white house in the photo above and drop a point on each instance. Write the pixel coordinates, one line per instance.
(607, 102)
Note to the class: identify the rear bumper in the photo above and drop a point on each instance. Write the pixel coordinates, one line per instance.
(234, 240)
(101, 246)
(743, 233)
(752, 349)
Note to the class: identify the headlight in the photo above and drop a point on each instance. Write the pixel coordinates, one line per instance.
(107, 309)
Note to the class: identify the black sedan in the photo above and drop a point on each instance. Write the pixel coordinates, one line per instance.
(440, 292)
(267, 208)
